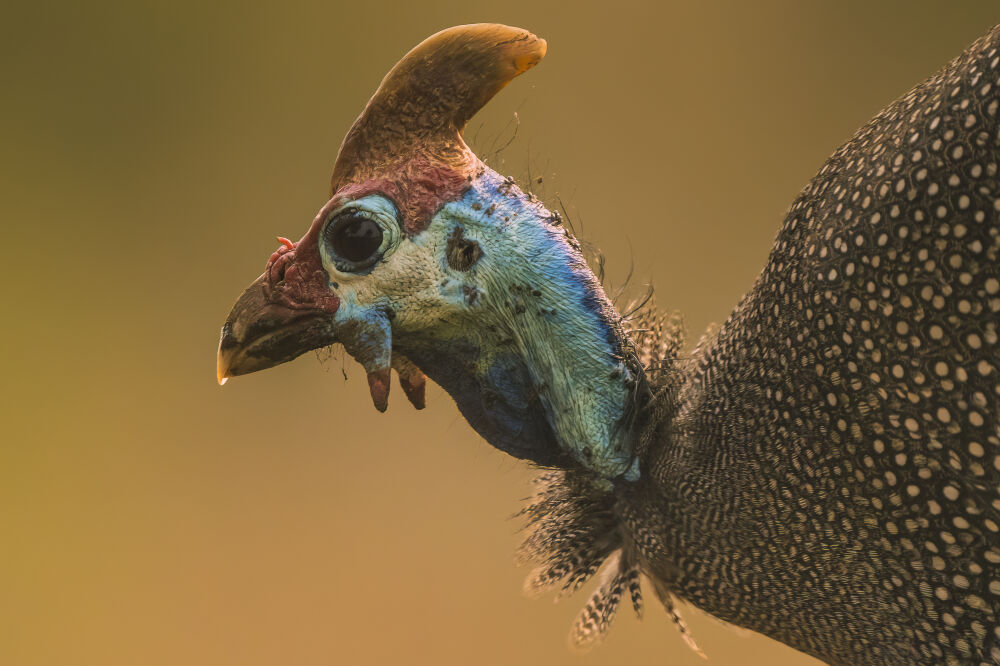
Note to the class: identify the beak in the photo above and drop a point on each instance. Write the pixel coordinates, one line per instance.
(260, 334)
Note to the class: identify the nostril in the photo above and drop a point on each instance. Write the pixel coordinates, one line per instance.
(279, 260)
(281, 266)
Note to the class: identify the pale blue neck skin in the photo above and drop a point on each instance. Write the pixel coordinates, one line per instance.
(524, 340)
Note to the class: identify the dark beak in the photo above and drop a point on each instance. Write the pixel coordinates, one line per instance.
(260, 334)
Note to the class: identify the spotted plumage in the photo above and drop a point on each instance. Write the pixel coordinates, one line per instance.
(830, 474)
(823, 468)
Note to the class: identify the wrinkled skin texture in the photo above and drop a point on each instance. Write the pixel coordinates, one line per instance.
(523, 339)
(472, 282)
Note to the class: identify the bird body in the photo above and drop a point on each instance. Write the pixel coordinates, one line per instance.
(833, 460)
(823, 469)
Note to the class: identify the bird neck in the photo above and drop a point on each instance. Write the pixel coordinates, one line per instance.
(537, 359)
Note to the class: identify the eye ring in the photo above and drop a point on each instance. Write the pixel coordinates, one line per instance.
(355, 238)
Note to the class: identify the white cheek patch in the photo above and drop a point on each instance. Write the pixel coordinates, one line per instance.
(414, 284)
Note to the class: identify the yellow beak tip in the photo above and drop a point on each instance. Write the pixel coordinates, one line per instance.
(222, 370)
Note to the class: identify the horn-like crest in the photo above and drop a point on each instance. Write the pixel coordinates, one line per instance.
(424, 102)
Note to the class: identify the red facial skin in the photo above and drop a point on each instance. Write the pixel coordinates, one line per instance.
(415, 387)
(417, 187)
(296, 279)
(378, 386)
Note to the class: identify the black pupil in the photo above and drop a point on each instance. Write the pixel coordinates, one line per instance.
(355, 238)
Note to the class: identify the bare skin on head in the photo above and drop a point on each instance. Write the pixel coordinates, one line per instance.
(423, 249)
(824, 469)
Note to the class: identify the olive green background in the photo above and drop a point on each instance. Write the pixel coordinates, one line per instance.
(150, 154)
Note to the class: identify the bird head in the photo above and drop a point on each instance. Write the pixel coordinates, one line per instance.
(424, 260)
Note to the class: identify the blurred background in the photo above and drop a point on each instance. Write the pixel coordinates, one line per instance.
(151, 152)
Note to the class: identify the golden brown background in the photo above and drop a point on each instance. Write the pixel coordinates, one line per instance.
(150, 154)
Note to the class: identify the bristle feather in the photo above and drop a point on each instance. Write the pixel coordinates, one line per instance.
(572, 528)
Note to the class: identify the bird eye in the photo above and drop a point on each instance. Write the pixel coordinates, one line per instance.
(354, 238)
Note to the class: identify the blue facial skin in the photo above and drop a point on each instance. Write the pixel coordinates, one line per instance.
(535, 364)
(502, 405)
